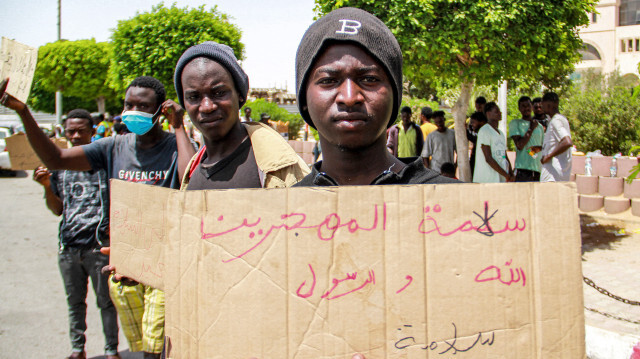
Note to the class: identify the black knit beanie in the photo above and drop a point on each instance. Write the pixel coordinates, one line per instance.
(353, 26)
(219, 53)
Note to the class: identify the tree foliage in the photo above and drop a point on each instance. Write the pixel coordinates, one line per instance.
(77, 68)
(151, 43)
(603, 114)
(485, 41)
(277, 113)
(459, 43)
(45, 101)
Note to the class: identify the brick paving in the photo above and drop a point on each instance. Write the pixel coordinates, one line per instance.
(611, 258)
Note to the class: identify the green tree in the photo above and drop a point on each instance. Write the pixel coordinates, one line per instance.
(277, 113)
(466, 42)
(76, 68)
(45, 101)
(150, 43)
(603, 114)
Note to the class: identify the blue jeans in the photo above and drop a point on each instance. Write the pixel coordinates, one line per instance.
(76, 265)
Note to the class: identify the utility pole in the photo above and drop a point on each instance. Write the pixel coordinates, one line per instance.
(502, 103)
(59, 93)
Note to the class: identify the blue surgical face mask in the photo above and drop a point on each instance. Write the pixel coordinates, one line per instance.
(140, 122)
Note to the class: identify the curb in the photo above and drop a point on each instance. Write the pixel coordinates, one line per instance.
(605, 344)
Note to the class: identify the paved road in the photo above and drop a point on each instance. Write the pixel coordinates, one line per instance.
(33, 310)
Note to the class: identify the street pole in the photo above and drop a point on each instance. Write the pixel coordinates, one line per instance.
(59, 93)
(502, 103)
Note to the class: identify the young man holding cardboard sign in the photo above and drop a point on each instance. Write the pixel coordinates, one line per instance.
(212, 87)
(349, 87)
(148, 155)
(82, 199)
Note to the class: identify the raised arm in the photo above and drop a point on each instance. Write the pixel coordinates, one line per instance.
(50, 154)
(521, 141)
(175, 114)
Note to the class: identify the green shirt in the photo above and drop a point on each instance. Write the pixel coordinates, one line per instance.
(524, 160)
(407, 142)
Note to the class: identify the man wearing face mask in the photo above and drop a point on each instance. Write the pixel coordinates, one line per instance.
(148, 155)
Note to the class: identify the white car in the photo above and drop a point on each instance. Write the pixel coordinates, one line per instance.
(5, 163)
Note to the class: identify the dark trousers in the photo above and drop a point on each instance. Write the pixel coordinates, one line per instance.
(527, 175)
(76, 266)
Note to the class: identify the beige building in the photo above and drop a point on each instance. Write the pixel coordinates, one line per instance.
(612, 39)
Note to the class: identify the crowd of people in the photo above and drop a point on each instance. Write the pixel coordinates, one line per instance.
(541, 137)
(348, 87)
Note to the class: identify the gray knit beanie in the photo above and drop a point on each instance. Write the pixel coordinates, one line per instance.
(219, 53)
(354, 26)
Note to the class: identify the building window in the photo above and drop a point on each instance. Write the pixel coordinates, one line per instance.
(637, 44)
(594, 18)
(629, 12)
(623, 46)
(588, 52)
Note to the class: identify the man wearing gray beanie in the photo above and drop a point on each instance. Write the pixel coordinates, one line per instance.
(349, 88)
(212, 87)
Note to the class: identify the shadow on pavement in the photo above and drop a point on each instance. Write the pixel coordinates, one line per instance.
(125, 354)
(9, 173)
(599, 236)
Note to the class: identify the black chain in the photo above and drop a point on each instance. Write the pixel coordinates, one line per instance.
(613, 316)
(609, 294)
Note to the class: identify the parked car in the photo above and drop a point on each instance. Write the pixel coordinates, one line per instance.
(5, 163)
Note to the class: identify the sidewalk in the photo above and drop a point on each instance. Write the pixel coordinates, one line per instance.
(611, 259)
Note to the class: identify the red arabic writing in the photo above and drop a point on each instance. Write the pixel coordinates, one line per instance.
(429, 224)
(492, 273)
(325, 230)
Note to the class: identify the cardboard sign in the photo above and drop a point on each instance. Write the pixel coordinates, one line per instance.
(422, 271)
(21, 154)
(18, 62)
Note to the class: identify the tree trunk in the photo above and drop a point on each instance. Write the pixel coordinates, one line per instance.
(462, 144)
(101, 106)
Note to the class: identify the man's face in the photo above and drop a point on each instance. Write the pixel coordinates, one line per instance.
(78, 131)
(210, 98)
(537, 108)
(406, 118)
(473, 123)
(247, 112)
(439, 121)
(479, 107)
(547, 107)
(141, 99)
(525, 108)
(349, 97)
(494, 114)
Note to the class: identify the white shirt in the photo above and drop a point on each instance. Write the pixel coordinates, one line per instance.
(483, 173)
(559, 167)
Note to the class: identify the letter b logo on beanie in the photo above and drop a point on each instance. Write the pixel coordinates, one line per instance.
(349, 27)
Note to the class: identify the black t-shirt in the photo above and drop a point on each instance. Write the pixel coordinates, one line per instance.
(413, 173)
(85, 208)
(237, 170)
(122, 159)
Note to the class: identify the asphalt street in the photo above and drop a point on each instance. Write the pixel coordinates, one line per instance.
(33, 310)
